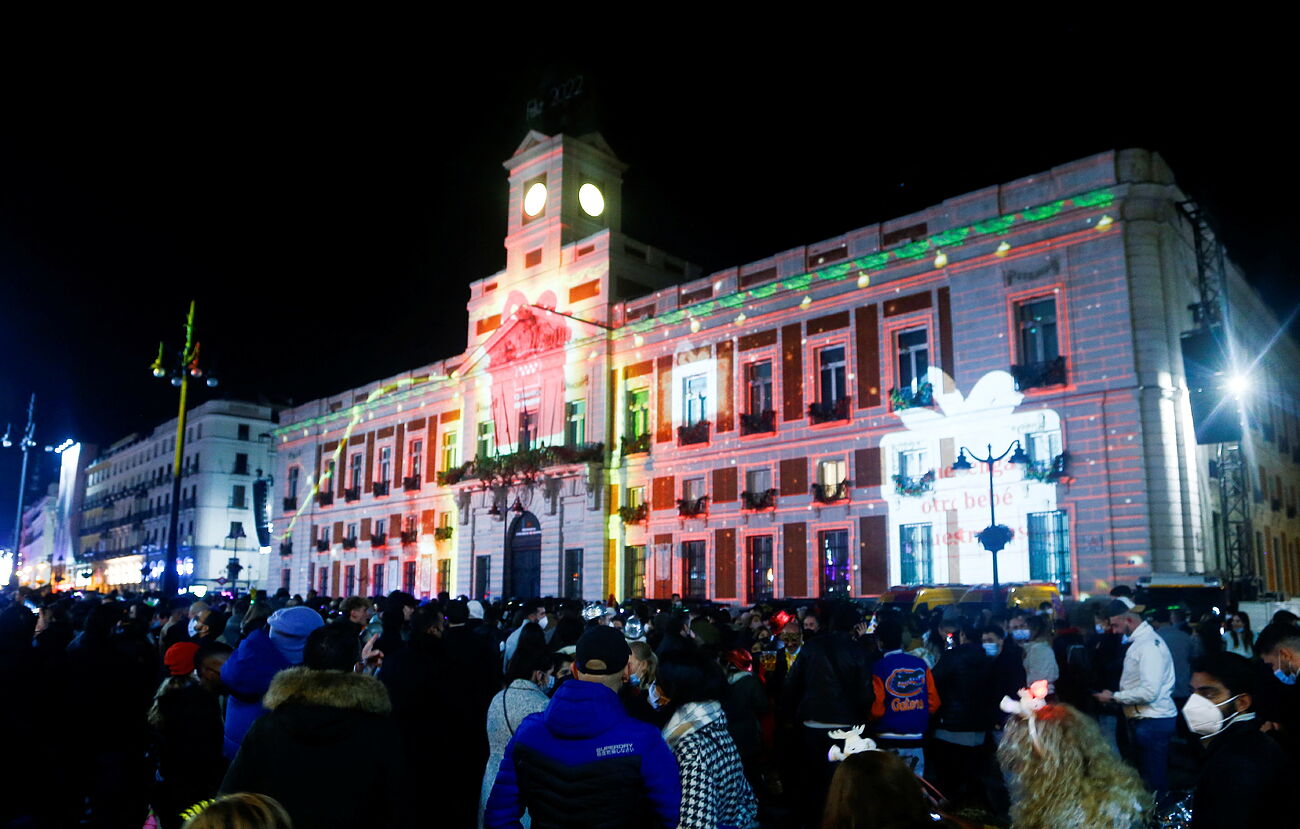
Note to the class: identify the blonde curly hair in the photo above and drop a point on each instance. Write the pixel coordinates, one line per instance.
(1069, 775)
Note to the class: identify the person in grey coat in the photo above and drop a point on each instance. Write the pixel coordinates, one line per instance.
(528, 681)
(1180, 649)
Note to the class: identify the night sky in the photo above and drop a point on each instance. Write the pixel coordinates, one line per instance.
(328, 204)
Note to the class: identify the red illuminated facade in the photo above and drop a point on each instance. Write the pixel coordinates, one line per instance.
(621, 424)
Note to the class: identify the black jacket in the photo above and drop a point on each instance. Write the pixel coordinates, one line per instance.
(327, 751)
(1244, 781)
(830, 682)
(964, 677)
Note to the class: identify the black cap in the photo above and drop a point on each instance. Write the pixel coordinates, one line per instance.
(1118, 608)
(602, 651)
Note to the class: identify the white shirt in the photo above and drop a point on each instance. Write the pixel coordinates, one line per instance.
(1147, 683)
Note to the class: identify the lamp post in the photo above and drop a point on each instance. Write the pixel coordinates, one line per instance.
(187, 367)
(995, 536)
(25, 442)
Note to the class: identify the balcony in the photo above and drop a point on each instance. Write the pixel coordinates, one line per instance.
(238, 503)
(763, 423)
(907, 398)
(1040, 375)
(350, 543)
(379, 539)
(409, 536)
(325, 497)
(831, 493)
(758, 501)
(379, 488)
(286, 548)
(443, 533)
(322, 545)
(693, 434)
(523, 466)
(1058, 469)
(693, 507)
(637, 445)
(411, 484)
(352, 493)
(290, 503)
(914, 487)
(829, 412)
(634, 515)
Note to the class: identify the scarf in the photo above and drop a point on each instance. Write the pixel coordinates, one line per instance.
(688, 718)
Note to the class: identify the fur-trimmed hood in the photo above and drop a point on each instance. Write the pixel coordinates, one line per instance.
(329, 689)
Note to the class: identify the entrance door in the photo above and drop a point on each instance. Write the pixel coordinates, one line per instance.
(482, 575)
(761, 575)
(573, 574)
(524, 558)
(836, 576)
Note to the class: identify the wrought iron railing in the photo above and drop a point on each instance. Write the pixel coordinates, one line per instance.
(379, 488)
(914, 486)
(829, 411)
(693, 434)
(831, 493)
(758, 500)
(1040, 374)
(758, 424)
(693, 507)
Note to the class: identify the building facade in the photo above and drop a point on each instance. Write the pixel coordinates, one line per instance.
(37, 545)
(620, 424)
(128, 494)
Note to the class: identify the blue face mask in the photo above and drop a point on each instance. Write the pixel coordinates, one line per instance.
(1125, 639)
(1284, 677)
(991, 648)
(634, 680)
(1021, 635)
(550, 683)
(652, 696)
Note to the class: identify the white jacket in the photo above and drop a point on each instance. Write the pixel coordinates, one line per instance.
(1147, 682)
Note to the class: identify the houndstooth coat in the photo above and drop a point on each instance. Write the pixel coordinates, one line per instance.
(715, 792)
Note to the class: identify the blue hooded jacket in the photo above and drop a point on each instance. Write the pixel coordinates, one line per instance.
(248, 673)
(584, 762)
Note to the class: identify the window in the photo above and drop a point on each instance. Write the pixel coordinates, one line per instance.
(1049, 548)
(444, 575)
(694, 578)
(638, 412)
(913, 358)
(385, 463)
(758, 387)
(241, 464)
(450, 449)
(237, 495)
(377, 585)
(761, 575)
(284, 578)
(913, 463)
(236, 530)
(527, 430)
(1043, 446)
(573, 573)
(325, 535)
(324, 582)
(416, 456)
(1036, 320)
(831, 374)
(694, 399)
(693, 489)
(482, 575)
(354, 476)
(634, 572)
(380, 528)
(486, 444)
(832, 472)
(294, 472)
(408, 577)
(635, 496)
(243, 431)
(837, 575)
(575, 423)
(914, 553)
(350, 581)
(758, 481)
(328, 477)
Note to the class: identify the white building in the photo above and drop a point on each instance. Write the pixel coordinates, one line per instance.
(128, 500)
(36, 550)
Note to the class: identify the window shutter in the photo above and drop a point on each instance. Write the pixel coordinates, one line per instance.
(370, 460)
(792, 371)
(724, 485)
(794, 476)
(338, 531)
(867, 333)
(399, 450)
(663, 493)
(726, 387)
(725, 563)
(428, 521)
(664, 403)
(795, 559)
(866, 467)
(946, 357)
(873, 553)
(365, 529)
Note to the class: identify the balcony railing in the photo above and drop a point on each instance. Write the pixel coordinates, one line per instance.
(350, 543)
(829, 411)
(238, 503)
(443, 533)
(634, 515)
(908, 398)
(693, 507)
(379, 539)
(322, 545)
(411, 484)
(693, 434)
(352, 493)
(286, 548)
(758, 500)
(409, 536)
(325, 497)
(290, 503)
(758, 424)
(379, 488)
(636, 445)
(1058, 469)
(831, 493)
(914, 487)
(524, 465)
(1041, 374)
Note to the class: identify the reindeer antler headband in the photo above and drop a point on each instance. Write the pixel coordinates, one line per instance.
(854, 743)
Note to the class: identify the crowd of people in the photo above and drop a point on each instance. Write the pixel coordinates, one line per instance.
(130, 710)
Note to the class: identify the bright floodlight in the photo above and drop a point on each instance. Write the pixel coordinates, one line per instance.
(535, 199)
(1238, 384)
(589, 196)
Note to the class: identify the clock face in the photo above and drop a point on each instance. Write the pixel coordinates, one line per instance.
(591, 199)
(535, 199)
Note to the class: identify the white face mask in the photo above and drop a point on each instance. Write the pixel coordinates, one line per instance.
(1206, 718)
(193, 628)
(652, 695)
(548, 684)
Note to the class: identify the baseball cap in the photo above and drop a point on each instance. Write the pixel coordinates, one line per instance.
(601, 651)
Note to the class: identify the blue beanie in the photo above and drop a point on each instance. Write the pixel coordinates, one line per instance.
(290, 627)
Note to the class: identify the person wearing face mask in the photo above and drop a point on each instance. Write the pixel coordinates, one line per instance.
(642, 667)
(1145, 694)
(1244, 769)
(1278, 697)
(1031, 633)
(528, 683)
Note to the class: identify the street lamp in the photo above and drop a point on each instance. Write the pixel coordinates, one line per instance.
(187, 367)
(25, 442)
(995, 536)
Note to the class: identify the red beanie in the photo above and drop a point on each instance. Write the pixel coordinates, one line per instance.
(179, 658)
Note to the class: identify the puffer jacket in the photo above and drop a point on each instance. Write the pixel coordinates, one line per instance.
(585, 762)
(963, 677)
(247, 674)
(327, 751)
(830, 682)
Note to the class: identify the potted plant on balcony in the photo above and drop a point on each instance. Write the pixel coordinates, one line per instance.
(634, 515)
(914, 487)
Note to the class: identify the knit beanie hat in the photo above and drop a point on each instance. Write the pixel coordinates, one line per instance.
(179, 658)
(290, 627)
